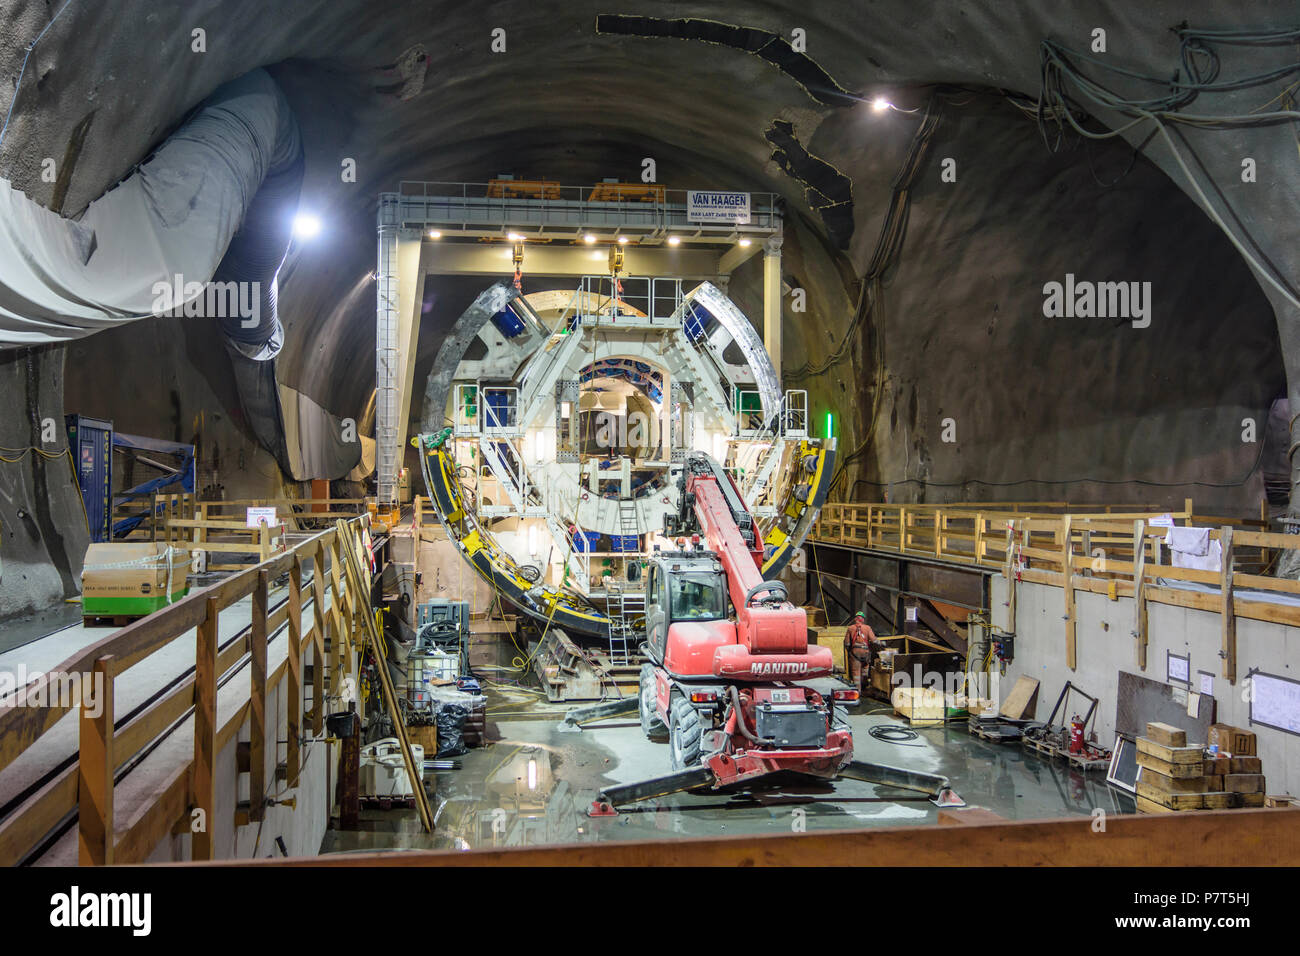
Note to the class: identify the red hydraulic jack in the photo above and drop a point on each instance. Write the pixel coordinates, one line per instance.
(722, 770)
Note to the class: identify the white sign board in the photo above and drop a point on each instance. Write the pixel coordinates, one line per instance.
(1276, 702)
(255, 516)
(705, 206)
(1179, 668)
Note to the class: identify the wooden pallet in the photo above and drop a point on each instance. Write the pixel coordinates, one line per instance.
(1088, 764)
(1042, 747)
(110, 620)
(973, 726)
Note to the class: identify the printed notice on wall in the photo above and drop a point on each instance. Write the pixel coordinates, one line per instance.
(255, 516)
(1276, 702)
(1179, 669)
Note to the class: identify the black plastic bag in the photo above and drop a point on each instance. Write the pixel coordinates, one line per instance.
(450, 719)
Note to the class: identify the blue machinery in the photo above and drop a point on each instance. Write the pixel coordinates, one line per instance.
(93, 442)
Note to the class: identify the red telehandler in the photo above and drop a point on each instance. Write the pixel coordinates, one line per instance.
(726, 651)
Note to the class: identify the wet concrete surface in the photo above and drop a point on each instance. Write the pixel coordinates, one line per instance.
(485, 801)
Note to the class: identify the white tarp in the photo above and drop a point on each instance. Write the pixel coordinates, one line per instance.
(62, 279)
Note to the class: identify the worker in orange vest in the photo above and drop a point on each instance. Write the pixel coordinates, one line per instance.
(860, 647)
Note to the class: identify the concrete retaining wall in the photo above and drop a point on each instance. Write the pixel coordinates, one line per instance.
(1105, 646)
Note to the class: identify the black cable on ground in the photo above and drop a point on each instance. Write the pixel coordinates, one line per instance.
(892, 733)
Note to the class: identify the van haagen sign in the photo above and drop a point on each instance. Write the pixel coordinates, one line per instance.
(705, 206)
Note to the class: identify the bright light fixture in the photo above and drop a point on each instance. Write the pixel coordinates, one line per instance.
(434, 234)
(674, 241)
(514, 237)
(532, 774)
(588, 238)
(622, 240)
(745, 243)
(880, 104)
(305, 225)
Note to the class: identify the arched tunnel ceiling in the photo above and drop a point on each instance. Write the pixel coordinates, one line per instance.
(572, 105)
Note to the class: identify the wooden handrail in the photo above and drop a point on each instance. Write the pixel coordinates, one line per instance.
(105, 747)
(1104, 549)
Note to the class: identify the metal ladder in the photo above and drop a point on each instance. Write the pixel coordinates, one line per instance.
(628, 525)
(624, 607)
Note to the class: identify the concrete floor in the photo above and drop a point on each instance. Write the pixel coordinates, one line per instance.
(472, 812)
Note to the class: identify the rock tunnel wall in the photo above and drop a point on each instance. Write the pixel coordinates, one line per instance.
(418, 93)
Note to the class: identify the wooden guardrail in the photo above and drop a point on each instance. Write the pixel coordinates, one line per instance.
(154, 513)
(288, 509)
(1110, 551)
(86, 787)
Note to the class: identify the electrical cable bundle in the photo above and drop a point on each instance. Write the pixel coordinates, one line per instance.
(1201, 68)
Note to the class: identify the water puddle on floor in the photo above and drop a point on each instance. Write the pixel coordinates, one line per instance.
(532, 785)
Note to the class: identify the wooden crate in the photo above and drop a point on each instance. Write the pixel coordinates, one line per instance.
(1150, 806)
(1174, 801)
(1245, 765)
(1221, 801)
(1250, 799)
(919, 704)
(426, 736)
(1167, 784)
(1170, 769)
(1179, 755)
(1244, 783)
(1217, 765)
(1166, 734)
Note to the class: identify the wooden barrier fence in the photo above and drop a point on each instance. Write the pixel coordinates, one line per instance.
(1111, 551)
(86, 786)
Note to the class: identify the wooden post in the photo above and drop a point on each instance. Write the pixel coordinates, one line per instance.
(1140, 591)
(203, 782)
(1228, 610)
(318, 642)
(1187, 507)
(870, 526)
(293, 705)
(257, 698)
(340, 652)
(902, 530)
(96, 761)
(349, 795)
(1010, 573)
(980, 543)
(1263, 521)
(940, 526)
(1067, 568)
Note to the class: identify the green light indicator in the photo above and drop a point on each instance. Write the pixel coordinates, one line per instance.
(830, 425)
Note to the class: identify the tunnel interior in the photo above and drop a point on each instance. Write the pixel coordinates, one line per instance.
(1034, 259)
(918, 239)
